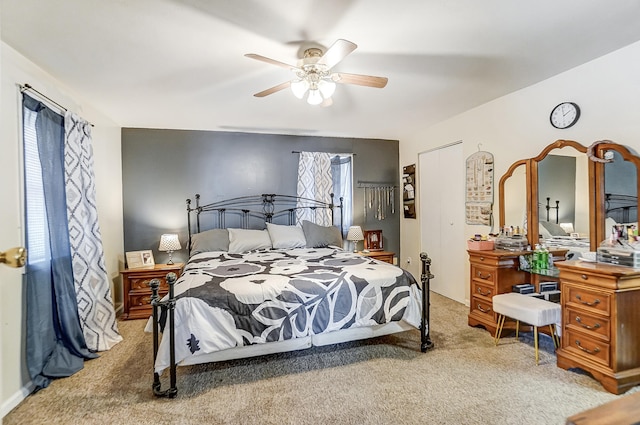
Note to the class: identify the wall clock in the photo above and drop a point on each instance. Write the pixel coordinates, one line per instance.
(565, 115)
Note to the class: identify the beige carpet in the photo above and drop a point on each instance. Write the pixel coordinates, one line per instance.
(465, 379)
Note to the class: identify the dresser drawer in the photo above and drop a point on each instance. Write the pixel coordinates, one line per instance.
(585, 278)
(588, 348)
(580, 298)
(482, 289)
(482, 274)
(482, 307)
(595, 326)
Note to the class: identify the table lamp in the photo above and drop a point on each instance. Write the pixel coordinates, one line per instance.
(169, 242)
(355, 235)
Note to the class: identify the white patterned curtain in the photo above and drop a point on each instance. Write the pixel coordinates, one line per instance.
(93, 290)
(315, 182)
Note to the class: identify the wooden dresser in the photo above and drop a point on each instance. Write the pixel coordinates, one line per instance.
(136, 289)
(492, 272)
(601, 322)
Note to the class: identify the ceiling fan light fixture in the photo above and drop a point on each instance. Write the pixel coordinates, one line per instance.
(299, 87)
(327, 88)
(314, 98)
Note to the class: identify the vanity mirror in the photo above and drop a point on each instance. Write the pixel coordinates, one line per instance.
(617, 185)
(570, 195)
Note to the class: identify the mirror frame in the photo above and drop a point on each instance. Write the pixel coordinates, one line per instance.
(534, 211)
(501, 194)
(599, 149)
(533, 216)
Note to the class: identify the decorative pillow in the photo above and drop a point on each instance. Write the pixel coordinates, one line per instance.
(243, 240)
(321, 236)
(210, 240)
(286, 236)
(553, 229)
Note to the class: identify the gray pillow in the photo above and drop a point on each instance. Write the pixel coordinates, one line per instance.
(553, 229)
(321, 236)
(210, 240)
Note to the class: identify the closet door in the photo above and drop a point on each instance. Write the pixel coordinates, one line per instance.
(441, 209)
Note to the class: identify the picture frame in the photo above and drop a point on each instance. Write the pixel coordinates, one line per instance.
(373, 240)
(140, 259)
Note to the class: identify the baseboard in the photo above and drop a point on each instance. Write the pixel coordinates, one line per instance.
(8, 405)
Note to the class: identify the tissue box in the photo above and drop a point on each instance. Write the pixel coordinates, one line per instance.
(480, 245)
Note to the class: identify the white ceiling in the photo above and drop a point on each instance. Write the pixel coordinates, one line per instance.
(180, 63)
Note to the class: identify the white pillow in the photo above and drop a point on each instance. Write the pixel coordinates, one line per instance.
(286, 236)
(242, 240)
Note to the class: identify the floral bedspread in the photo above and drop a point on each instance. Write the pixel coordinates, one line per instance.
(228, 300)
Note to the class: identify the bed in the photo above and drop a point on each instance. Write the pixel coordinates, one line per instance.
(256, 283)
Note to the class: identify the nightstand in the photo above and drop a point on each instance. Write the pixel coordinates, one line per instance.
(137, 292)
(385, 256)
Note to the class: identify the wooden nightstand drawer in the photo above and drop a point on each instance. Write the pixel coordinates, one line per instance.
(385, 256)
(137, 292)
(142, 282)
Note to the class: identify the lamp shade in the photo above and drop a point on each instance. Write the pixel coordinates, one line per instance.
(355, 233)
(169, 242)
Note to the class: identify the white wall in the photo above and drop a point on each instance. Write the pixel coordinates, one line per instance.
(517, 126)
(15, 69)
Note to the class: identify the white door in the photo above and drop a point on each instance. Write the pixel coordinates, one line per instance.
(442, 187)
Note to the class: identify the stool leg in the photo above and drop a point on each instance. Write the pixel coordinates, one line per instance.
(517, 328)
(535, 341)
(499, 328)
(552, 328)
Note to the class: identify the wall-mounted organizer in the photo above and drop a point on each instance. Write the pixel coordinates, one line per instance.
(479, 191)
(379, 199)
(409, 190)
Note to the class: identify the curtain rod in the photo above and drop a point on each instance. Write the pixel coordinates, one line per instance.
(346, 153)
(27, 86)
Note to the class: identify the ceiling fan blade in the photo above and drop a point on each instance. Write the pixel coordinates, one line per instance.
(338, 51)
(273, 89)
(271, 61)
(360, 80)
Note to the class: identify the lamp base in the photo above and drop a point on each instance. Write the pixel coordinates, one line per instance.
(170, 262)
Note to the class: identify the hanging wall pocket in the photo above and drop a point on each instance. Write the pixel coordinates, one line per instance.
(479, 189)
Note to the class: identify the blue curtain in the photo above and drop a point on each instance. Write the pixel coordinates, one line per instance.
(55, 343)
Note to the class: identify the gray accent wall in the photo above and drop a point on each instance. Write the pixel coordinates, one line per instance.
(162, 168)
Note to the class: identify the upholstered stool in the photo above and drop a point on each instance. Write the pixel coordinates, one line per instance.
(527, 309)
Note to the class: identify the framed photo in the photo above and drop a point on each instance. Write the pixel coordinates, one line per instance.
(140, 259)
(373, 240)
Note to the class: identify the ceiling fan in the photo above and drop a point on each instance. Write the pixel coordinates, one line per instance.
(314, 77)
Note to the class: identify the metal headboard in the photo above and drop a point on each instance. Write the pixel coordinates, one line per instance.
(256, 210)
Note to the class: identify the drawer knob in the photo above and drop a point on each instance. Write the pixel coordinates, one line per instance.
(483, 293)
(586, 350)
(579, 320)
(482, 309)
(481, 258)
(484, 277)
(595, 302)
(584, 277)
